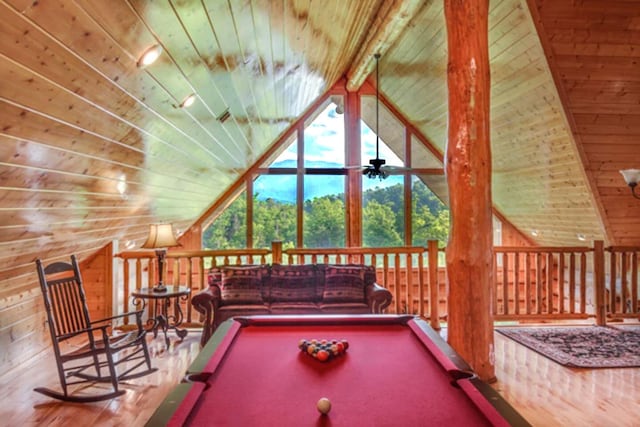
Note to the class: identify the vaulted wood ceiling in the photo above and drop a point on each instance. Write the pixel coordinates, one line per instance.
(79, 117)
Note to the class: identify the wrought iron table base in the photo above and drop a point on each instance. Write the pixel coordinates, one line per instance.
(162, 303)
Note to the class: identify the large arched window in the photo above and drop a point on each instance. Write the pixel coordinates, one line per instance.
(299, 192)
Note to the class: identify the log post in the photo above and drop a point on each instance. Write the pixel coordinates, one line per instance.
(353, 202)
(468, 169)
(276, 252)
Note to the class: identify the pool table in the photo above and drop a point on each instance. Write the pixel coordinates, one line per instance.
(396, 371)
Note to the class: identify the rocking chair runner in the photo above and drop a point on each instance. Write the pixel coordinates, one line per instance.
(68, 319)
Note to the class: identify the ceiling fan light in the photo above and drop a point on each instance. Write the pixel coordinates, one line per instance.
(149, 56)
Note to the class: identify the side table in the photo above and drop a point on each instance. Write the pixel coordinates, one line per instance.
(160, 308)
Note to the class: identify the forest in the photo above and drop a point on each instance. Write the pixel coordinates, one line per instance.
(324, 220)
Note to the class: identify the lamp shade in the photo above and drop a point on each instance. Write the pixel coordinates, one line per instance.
(631, 176)
(160, 236)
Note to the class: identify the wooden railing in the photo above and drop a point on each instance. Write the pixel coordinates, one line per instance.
(621, 298)
(540, 283)
(530, 283)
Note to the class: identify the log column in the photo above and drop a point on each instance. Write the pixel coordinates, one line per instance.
(468, 169)
(353, 192)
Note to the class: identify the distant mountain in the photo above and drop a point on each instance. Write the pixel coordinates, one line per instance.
(282, 188)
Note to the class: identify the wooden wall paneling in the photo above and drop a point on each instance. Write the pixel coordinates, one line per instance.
(120, 91)
(23, 331)
(97, 277)
(589, 49)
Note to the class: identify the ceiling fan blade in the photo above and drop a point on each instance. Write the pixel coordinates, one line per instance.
(395, 168)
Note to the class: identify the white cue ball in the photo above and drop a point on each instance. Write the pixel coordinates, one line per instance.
(324, 405)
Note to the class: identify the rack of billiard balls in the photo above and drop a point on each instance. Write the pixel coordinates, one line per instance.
(323, 349)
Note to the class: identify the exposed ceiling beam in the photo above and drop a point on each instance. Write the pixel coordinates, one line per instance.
(389, 23)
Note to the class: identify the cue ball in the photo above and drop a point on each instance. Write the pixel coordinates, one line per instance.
(324, 405)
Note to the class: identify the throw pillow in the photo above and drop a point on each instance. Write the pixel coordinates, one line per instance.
(293, 283)
(369, 272)
(242, 285)
(343, 284)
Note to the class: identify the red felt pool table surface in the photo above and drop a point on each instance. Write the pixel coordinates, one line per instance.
(396, 372)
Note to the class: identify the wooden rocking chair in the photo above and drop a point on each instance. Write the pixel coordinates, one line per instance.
(96, 350)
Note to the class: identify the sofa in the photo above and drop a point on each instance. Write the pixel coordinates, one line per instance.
(288, 289)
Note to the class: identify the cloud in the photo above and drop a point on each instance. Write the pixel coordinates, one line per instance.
(324, 148)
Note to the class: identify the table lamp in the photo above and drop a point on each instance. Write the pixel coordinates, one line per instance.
(160, 238)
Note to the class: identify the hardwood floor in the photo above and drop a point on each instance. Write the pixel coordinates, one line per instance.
(21, 406)
(545, 393)
(548, 394)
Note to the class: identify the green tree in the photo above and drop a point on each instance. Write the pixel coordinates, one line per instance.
(273, 220)
(379, 228)
(393, 198)
(229, 229)
(324, 222)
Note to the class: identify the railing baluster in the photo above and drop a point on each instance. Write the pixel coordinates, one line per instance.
(434, 298)
(550, 269)
(572, 283)
(505, 283)
(527, 283)
(539, 283)
(634, 282)
(516, 283)
(623, 282)
(125, 284)
(409, 279)
(561, 282)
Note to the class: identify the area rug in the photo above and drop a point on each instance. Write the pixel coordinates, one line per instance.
(582, 346)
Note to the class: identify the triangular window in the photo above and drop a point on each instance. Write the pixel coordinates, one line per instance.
(297, 192)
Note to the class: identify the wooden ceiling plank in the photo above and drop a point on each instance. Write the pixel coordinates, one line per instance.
(91, 28)
(44, 157)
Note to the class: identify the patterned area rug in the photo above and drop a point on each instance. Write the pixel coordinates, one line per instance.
(582, 346)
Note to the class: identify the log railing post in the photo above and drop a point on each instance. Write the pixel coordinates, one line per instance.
(276, 252)
(468, 171)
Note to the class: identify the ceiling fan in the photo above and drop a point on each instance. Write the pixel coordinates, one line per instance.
(374, 168)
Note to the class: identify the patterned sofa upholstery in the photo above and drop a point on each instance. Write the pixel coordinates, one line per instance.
(288, 289)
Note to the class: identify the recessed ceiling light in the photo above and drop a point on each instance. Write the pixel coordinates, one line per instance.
(149, 56)
(188, 101)
(581, 237)
(121, 186)
(535, 233)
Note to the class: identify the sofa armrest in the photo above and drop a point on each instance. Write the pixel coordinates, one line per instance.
(378, 298)
(206, 302)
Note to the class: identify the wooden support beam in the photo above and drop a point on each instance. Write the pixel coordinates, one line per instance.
(353, 193)
(390, 22)
(468, 170)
